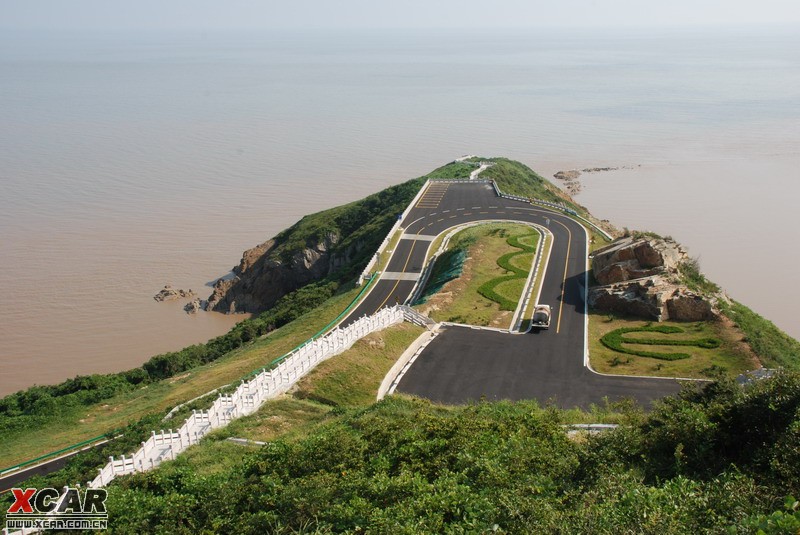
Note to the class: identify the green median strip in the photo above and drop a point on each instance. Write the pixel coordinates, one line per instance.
(488, 289)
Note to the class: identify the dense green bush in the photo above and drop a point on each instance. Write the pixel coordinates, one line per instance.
(709, 459)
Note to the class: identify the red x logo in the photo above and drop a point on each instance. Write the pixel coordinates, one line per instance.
(22, 500)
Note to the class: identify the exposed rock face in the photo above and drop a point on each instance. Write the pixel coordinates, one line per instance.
(193, 306)
(168, 293)
(631, 258)
(262, 277)
(684, 305)
(639, 277)
(652, 298)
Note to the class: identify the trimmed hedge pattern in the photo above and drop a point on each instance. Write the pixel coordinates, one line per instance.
(615, 341)
(487, 289)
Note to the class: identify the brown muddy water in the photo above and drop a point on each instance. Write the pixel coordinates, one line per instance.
(132, 161)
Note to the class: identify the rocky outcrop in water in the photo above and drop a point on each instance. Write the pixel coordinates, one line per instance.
(194, 306)
(641, 277)
(168, 293)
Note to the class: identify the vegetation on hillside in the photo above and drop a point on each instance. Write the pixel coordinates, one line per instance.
(722, 459)
(516, 178)
(363, 223)
(38, 405)
(774, 347)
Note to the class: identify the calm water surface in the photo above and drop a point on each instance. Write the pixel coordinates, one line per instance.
(131, 161)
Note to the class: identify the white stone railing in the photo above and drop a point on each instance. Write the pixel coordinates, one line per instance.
(385, 243)
(249, 396)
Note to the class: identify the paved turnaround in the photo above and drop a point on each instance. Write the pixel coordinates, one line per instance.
(463, 363)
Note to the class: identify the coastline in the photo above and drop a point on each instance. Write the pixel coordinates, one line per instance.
(727, 234)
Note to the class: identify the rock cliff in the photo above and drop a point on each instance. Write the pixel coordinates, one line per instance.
(263, 276)
(641, 277)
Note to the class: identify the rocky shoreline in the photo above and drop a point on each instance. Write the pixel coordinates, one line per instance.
(571, 178)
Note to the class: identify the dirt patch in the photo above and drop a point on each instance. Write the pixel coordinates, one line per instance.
(179, 377)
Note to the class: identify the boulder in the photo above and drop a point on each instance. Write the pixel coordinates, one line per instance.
(634, 258)
(168, 293)
(193, 306)
(656, 298)
(684, 305)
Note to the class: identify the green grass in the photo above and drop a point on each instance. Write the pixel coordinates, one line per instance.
(695, 280)
(452, 170)
(699, 463)
(352, 378)
(774, 347)
(515, 178)
(285, 417)
(494, 270)
(731, 357)
(506, 290)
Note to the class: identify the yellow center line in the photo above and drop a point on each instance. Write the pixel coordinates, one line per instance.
(564, 281)
(397, 283)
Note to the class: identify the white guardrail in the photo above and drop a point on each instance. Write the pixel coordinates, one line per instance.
(556, 206)
(385, 243)
(250, 395)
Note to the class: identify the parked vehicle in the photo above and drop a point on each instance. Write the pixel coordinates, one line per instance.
(541, 317)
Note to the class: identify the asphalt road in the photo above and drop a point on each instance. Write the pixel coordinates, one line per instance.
(464, 364)
(13, 480)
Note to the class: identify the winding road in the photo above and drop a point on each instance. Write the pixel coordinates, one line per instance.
(463, 364)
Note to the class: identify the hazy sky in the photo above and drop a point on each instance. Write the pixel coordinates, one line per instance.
(252, 14)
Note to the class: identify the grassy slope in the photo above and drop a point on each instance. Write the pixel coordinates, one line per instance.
(363, 223)
(516, 178)
(459, 300)
(774, 347)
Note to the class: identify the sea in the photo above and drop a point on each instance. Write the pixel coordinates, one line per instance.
(133, 160)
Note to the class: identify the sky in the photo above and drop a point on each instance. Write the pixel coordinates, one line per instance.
(377, 14)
